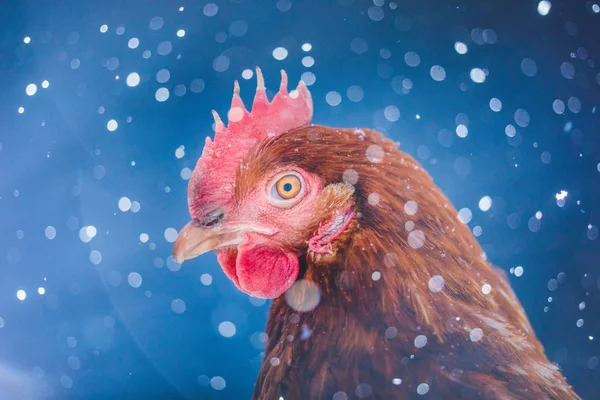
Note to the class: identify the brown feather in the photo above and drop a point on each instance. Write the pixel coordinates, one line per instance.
(363, 330)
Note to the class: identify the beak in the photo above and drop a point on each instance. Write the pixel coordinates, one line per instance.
(194, 240)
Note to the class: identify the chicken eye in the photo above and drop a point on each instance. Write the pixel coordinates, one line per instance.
(287, 187)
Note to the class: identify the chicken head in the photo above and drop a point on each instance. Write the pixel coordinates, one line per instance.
(248, 234)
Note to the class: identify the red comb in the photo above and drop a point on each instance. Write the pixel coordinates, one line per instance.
(214, 175)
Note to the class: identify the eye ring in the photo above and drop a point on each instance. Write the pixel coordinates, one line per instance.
(286, 190)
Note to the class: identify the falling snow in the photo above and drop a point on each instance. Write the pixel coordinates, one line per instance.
(106, 118)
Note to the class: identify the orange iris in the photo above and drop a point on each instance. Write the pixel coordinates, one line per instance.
(288, 187)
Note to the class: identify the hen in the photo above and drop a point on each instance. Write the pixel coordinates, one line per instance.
(380, 292)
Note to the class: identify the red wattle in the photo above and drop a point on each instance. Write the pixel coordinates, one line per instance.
(264, 271)
(227, 261)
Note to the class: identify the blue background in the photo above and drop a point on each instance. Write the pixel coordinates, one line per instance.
(91, 335)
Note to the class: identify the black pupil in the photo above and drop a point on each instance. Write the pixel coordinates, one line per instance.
(287, 187)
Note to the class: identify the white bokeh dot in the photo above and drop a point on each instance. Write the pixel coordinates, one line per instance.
(50, 232)
(420, 341)
(436, 283)
(227, 329)
(162, 94)
(206, 279)
(462, 131)
(170, 235)
(477, 75)
(437, 73)
(333, 98)
(485, 203)
(112, 125)
(133, 79)
(217, 383)
(460, 48)
(133, 43)
(423, 388)
(304, 295)
(476, 334)
(495, 104)
(178, 306)
(247, 74)
(186, 173)
(391, 113)
(31, 89)
(95, 257)
(465, 215)
(375, 153)
(134, 279)
(124, 204)
(210, 10)
(280, 53)
(544, 7)
(411, 207)
(416, 239)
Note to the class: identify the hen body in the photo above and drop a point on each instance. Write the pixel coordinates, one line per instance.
(380, 292)
(395, 274)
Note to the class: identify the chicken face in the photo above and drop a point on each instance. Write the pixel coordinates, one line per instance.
(280, 206)
(259, 241)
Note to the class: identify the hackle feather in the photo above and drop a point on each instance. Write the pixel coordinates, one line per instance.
(376, 295)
